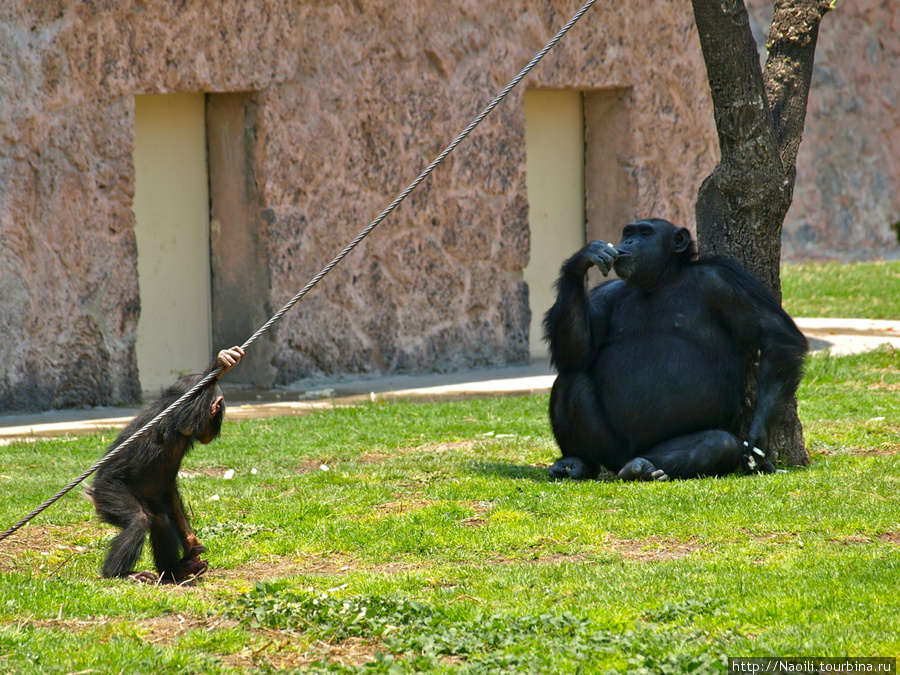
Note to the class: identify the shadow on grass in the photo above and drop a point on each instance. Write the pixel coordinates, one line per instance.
(500, 469)
(538, 474)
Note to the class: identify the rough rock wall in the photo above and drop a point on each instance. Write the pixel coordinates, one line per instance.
(355, 97)
(847, 193)
(439, 286)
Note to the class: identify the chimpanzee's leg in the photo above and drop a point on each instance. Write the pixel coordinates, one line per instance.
(117, 506)
(581, 429)
(190, 544)
(705, 453)
(168, 540)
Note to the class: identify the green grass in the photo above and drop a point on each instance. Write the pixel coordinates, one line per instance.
(829, 289)
(401, 537)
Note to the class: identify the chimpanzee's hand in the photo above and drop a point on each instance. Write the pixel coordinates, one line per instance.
(229, 358)
(599, 254)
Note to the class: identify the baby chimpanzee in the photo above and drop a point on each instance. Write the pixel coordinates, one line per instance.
(138, 490)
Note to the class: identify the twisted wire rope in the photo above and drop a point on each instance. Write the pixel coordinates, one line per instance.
(316, 279)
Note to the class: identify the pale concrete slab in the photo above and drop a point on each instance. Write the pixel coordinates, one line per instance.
(841, 336)
(849, 336)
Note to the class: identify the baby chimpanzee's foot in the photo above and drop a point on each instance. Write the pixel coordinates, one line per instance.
(143, 577)
(190, 568)
(193, 554)
(641, 469)
(570, 467)
(187, 569)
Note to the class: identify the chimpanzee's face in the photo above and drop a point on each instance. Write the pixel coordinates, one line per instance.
(645, 250)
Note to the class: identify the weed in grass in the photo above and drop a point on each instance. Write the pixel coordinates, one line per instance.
(440, 520)
(412, 636)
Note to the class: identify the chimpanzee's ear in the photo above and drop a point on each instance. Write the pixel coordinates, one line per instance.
(216, 406)
(681, 240)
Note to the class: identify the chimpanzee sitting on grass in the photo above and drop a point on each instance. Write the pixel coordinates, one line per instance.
(652, 366)
(138, 489)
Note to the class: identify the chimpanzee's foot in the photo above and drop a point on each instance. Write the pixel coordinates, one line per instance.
(570, 467)
(188, 569)
(143, 577)
(641, 469)
(185, 571)
(193, 554)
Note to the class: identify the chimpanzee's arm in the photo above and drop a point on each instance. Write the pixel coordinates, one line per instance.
(758, 322)
(577, 323)
(782, 349)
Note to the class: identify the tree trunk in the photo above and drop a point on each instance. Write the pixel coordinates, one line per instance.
(742, 204)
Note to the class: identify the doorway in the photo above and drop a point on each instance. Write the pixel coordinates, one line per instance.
(171, 209)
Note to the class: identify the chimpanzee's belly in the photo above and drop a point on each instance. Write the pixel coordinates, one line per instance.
(658, 387)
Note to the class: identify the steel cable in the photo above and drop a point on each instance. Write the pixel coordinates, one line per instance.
(315, 280)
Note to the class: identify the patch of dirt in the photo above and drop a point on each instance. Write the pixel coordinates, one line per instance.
(890, 538)
(275, 649)
(480, 506)
(443, 447)
(208, 472)
(339, 564)
(542, 559)
(654, 549)
(263, 570)
(372, 458)
(163, 628)
(852, 540)
(281, 651)
(481, 509)
(778, 537)
(884, 386)
(892, 371)
(474, 521)
(849, 540)
(555, 558)
(404, 505)
(883, 450)
(324, 564)
(56, 544)
(309, 466)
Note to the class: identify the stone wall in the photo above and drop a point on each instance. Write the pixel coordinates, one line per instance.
(354, 99)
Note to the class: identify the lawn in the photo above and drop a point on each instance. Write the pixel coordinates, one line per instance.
(830, 289)
(416, 537)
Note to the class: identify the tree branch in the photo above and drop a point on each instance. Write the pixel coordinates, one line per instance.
(792, 46)
(735, 79)
(741, 205)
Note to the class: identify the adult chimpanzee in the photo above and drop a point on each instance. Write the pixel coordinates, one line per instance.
(138, 490)
(652, 366)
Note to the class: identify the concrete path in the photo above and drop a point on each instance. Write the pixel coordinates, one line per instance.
(841, 336)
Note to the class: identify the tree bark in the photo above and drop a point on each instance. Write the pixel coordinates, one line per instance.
(759, 118)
